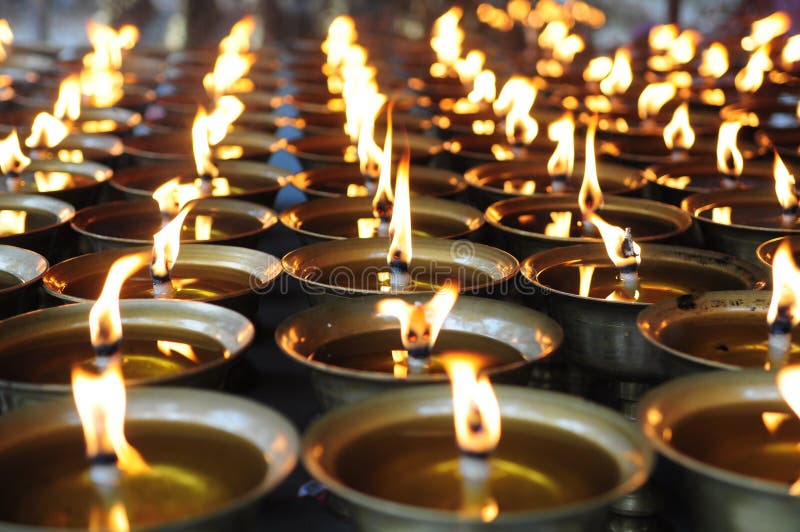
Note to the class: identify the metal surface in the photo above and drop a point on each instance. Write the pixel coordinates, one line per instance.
(41, 240)
(314, 152)
(766, 251)
(28, 267)
(331, 436)
(178, 145)
(531, 333)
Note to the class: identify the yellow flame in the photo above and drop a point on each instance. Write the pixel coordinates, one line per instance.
(713, 97)
(101, 400)
(100, 78)
(185, 350)
(721, 215)
(105, 323)
(773, 420)
(238, 39)
(680, 182)
(476, 411)
(166, 245)
(446, 39)
(172, 196)
(683, 48)
(369, 153)
(51, 181)
(785, 286)
(598, 68)
(714, 62)
(597, 103)
(12, 160)
(661, 36)
(585, 273)
(750, 78)
(789, 385)
(679, 132)
(562, 131)
(400, 226)
(653, 97)
(203, 223)
(621, 76)
(614, 239)
(484, 88)
(200, 145)
(421, 323)
(729, 159)
(227, 109)
(12, 222)
(784, 184)
(229, 69)
(515, 101)
(383, 193)
(762, 31)
(469, 66)
(526, 188)
(560, 225)
(791, 51)
(46, 130)
(68, 103)
(341, 34)
(590, 197)
(6, 38)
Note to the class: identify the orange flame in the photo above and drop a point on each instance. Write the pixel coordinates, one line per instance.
(100, 400)
(788, 381)
(12, 160)
(721, 215)
(560, 225)
(172, 196)
(6, 38)
(166, 245)
(200, 145)
(421, 323)
(238, 39)
(51, 181)
(515, 101)
(785, 187)
(750, 78)
(622, 254)
(68, 103)
(100, 78)
(341, 34)
(762, 31)
(484, 88)
(384, 198)
(46, 130)
(661, 36)
(598, 68)
(791, 51)
(369, 153)
(476, 411)
(12, 222)
(590, 197)
(729, 159)
(654, 97)
(562, 131)
(621, 76)
(203, 223)
(785, 303)
(469, 66)
(446, 39)
(679, 131)
(180, 348)
(714, 61)
(229, 69)
(585, 274)
(227, 109)
(400, 227)
(683, 48)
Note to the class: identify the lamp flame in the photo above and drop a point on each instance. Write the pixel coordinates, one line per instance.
(784, 307)
(785, 189)
(185, 350)
(590, 196)
(515, 101)
(172, 196)
(560, 225)
(714, 62)
(476, 411)
(166, 245)
(788, 381)
(791, 51)
(469, 66)
(382, 202)
(238, 39)
(446, 39)
(620, 247)
(229, 69)
(400, 252)
(484, 88)
(200, 145)
(678, 132)
(227, 109)
(6, 38)
(68, 103)
(369, 153)
(100, 78)
(598, 68)
(750, 78)
(51, 181)
(621, 76)
(562, 131)
(730, 160)
(12, 160)
(12, 222)
(763, 30)
(47, 130)
(654, 97)
(661, 36)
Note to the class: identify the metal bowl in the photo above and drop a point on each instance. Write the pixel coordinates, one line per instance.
(329, 438)
(56, 329)
(50, 216)
(531, 333)
(766, 251)
(88, 178)
(314, 152)
(177, 145)
(21, 272)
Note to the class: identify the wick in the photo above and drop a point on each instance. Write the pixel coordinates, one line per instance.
(629, 274)
(789, 216)
(399, 278)
(559, 182)
(13, 181)
(418, 359)
(206, 186)
(383, 211)
(780, 339)
(104, 353)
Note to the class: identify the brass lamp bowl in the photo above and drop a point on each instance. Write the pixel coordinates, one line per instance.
(116, 120)
(246, 446)
(714, 330)
(651, 221)
(85, 180)
(466, 151)
(334, 181)
(354, 267)
(766, 251)
(497, 181)
(532, 334)
(237, 144)
(133, 223)
(646, 150)
(337, 218)
(601, 335)
(224, 275)
(38, 349)
(740, 239)
(45, 222)
(248, 180)
(332, 439)
(722, 499)
(665, 180)
(314, 152)
(21, 271)
(785, 141)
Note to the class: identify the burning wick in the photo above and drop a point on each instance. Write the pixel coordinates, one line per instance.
(383, 201)
(629, 273)
(420, 323)
(786, 192)
(399, 255)
(12, 161)
(166, 244)
(623, 252)
(590, 196)
(206, 170)
(782, 314)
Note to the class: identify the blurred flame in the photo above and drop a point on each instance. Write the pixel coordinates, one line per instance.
(100, 77)
(484, 88)
(201, 148)
(654, 97)
(341, 35)
(597, 103)
(560, 225)
(679, 132)
(590, 197)
(68, 102)
(46, 130)
(400, 226)
(598, 68)
(762, 31)
(238, 39)
(446, 39)
(616, 241)
(12, 160)
(784, 185)
(166, 245)
(227, 109)
(621, 76)
(526, 188)
(515, 101)
(383, 199)
(476, 411)
(713, 97)
(789, 385)
(714, 61)
(773, 420)
(750, 78)
(421, 323)
(729, 159)
(12, 222)
(6, 38)
(562, 131)
(785, 302)
(203, 223)
(185, 350)
(51, 181)
(661, 36)
(369, 153)
(229, 69)
(721, 215)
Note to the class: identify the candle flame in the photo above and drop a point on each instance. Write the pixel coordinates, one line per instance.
(791, 51)
(729, 159)
(620, 247)
(341, 35)
(585, 273)
(185, 350)
(172, 196)
(105, 323)
(560, 225)
(750, 78)
(476, 411)
(101, 400)
(661, 36)
(6, 38)
(421, 323)
(789, 385)
(51, 181)
(384, 198)
(400, 227)
(166, 245)
(784, 306)
(229, 73)
(12, 222)
(369, 153)
(484, 88)
(200, 145)
(683, 48)
(469, 66)
(679, 132)
(597, 103)
(227, 109)
(446, 39)
(68, 103)
(526, 188)
(721, 215)
(590, 196)
(598, 68)
(46, 130)
(203, 223)
(515, 102)
(562, 131)
(100, 78)
(784, 186)
(621, 75)
(763, 30)
(238, 39)
(653, 97)
(12, 160)
(714, 61)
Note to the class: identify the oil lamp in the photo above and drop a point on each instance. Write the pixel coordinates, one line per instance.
(738, 221)
(34, 221)
(21, 272)
(438, 487)
(363, 351)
